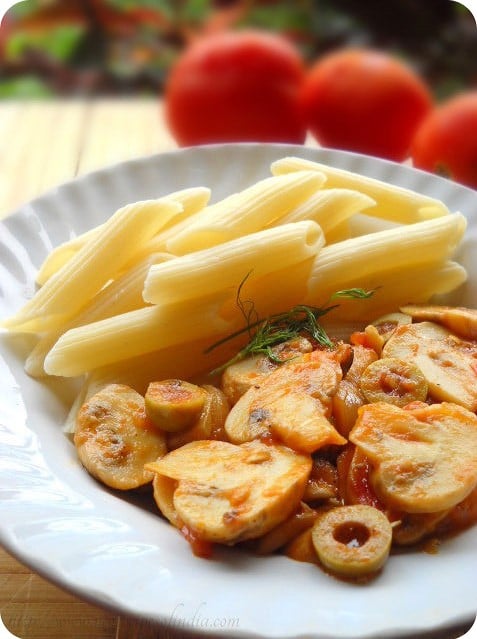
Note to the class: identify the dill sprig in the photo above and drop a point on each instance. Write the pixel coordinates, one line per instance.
(282, 327)
(353, 294)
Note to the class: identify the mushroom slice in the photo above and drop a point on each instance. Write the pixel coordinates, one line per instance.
(462, 516)
(346, 401)
(423, 459)
(163, 492)
(114, 437)
(279, 536)
(301, 548)
(414, 527)
(291, 405)
(448, 363)
(458, 319)
(348, 397)
(241, 376)
(317, 374)
(293, 418)
(386, 324)
(227, 493)
(362, 358)
(323, 481)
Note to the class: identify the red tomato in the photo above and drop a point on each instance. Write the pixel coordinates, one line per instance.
(365, 101)
(236, 86)
(446, 143)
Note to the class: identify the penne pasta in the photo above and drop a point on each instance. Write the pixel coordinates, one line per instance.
(282, 290)
(192, 200)
(329, 208)
(124, 336)
(401, 247)
(392, 202)
(275, 292)
(393, 288)
(120, 310)
(224, 267)
(159, 242)
(61, 254)
(128, 335)
(363, 224)
(120, 296)
(246, 212)
(93, 266)
(341, 232)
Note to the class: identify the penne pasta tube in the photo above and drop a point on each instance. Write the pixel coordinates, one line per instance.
(159, 242)
(392, 202)
(61, 254)
(120, 296)
(430, 241)
(224, 267)
(192, 200)
(340, 233)
(364, 224)
(329, 208)
(281, 290)
(128, 335)
(392, 289)
(65, 293)
(246, 212)
(359, 224)
(275, 292)
(427, 282)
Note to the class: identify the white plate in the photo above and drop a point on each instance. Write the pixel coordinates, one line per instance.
(116, 551)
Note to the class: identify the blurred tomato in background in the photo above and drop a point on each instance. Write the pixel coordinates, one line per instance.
(446, 142)
(221, 84)
(237, 86)
(365, 100)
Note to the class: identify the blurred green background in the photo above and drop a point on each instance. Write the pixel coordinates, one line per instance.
(124, 47)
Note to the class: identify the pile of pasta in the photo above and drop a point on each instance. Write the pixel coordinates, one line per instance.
(133, 305)
(143, 295)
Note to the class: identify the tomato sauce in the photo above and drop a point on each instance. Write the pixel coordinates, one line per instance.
(200, 547)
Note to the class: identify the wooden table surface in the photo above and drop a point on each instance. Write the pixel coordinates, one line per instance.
(41, 145)
(45, 143)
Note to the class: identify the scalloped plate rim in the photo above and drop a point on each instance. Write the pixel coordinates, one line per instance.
(52, 571)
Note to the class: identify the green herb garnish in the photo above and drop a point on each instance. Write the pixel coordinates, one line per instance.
(353, 294)
(282, 327)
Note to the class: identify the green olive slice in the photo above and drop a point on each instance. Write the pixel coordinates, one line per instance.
(393, 381)
(352, 541)
(174, 405)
